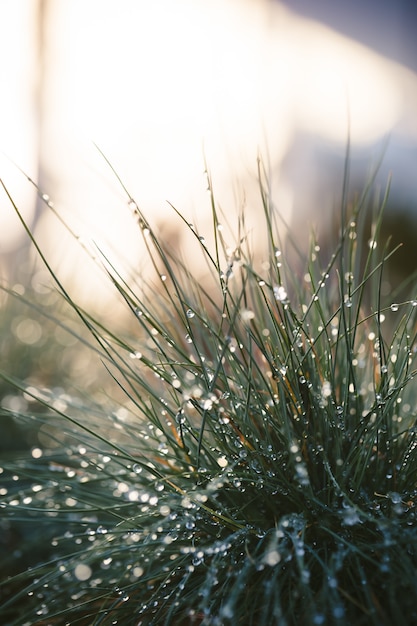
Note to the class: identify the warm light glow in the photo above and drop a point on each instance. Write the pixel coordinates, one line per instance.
(18, 130)
(159, 84)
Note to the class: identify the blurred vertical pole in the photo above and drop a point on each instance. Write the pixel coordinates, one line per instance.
(20, 111)
(40, 69)
(41, 55)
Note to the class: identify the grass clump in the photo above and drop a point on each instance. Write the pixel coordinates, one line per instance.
(261, 467)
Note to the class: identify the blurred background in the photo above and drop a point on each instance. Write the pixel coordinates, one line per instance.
(161, 88)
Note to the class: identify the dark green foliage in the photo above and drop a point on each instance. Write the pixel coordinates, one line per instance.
(262, 470)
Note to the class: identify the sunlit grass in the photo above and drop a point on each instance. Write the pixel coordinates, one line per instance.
(261, 468)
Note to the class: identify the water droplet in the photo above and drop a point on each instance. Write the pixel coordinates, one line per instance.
(379, 399)
(190, 524)
(83, 572)
(338, 611)
(227, 611)
(350, 516)
(186, 503)
(164, 510)
(395, 497)
(190, 314)
(326, 389)
(207, 404)
(133, 495)
(36, 453)
(256, 466)
(198, 558)
(247, 315)
(280, 293)
(132, 205)
(394, 307)
(138, 571)
(272, 558)
(136, 468)
(302, 474)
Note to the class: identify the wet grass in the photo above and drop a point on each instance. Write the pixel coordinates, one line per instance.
(261, 466)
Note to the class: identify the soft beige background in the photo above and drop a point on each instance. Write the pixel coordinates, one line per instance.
(157, 85)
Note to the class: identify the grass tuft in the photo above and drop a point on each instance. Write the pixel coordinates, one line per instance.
(255, 460)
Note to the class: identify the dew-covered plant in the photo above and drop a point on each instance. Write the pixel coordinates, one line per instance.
(259, 464)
